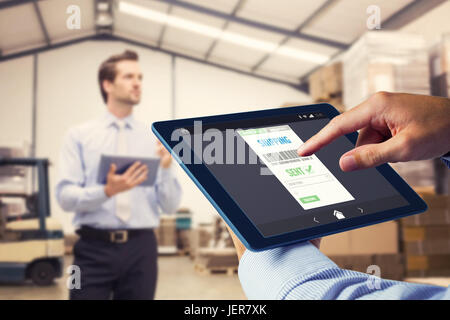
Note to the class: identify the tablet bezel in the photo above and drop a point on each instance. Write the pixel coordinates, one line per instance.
(238, 221)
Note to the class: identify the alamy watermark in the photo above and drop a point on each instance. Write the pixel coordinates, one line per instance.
(74, 20)
(228, 146)
(374, 19)
(74, 279)
(374, 280)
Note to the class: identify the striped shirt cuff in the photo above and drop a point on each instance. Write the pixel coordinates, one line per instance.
(266, 274)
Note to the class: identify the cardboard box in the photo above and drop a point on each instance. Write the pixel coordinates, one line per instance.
(428, 262)
(336, 244)
(377, 239)
(431, 217)
(428, 247)
(326, 82)
(358, 263)
(166, 233)
(10, 152)
(431, 198)
(200, 237)
(445, 53)
(381, 77)
(385, 60)
(294, 104)
(391, 266)
(439, 86)
(428, 273)
(217, 258)
(438, 213)
(184, 239)
(426, 233)
(416, 173)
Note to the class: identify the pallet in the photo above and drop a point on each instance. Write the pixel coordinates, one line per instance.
(183, 252)
(215, 270)
(167, 250)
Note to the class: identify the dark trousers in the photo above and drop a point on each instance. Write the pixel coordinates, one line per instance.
(116, 270)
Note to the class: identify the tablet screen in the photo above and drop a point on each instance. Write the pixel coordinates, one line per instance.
(257, 164)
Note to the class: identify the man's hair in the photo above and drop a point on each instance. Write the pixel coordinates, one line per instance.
(107, 69)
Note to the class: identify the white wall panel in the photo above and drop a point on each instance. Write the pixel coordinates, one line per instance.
(16, 89)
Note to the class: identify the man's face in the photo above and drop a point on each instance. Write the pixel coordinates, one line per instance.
(126, 87)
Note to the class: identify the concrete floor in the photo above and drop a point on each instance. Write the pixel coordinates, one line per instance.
(177, 280)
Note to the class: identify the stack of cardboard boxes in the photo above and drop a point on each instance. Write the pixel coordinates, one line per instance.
(212, 260)
(393, 62)
(200, 237)
(325, 85)
(361, 248)
(426, 237)
(166, 235)
(385, 61)
(440, 67)
(11, 171)
(183, 225)
(220, 255)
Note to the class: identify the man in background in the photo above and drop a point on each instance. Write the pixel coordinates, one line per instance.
(117, 249)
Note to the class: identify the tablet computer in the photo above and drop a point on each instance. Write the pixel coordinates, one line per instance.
(247, 166)
(123, 163)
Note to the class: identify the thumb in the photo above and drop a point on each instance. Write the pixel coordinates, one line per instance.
(372, 155)
(112, 169)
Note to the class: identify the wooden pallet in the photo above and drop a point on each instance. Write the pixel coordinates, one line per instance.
(215, 270)
(183, 252)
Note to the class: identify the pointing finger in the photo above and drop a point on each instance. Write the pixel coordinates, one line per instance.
(345, 123)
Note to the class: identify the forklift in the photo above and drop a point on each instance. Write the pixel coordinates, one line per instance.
(31, 242)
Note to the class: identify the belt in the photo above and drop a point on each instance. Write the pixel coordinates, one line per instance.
(111, 236)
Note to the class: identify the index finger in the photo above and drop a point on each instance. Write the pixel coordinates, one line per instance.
(340, 125)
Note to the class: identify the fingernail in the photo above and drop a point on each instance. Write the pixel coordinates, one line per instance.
(349, 163)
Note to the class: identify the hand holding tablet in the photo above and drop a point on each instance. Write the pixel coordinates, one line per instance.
(285, 198)
(132, 177)
(121, 173)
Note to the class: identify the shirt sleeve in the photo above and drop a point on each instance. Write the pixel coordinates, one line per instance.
(168, 190)
(71, 193)
(301, 271)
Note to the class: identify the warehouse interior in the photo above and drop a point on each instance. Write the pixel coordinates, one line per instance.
(202, 57)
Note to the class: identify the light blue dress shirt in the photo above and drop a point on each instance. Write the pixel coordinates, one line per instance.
(77, 189)
(301, 271)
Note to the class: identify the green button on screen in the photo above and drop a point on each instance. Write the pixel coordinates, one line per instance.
(309, 199)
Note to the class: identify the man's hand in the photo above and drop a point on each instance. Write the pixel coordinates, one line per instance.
(115, 183)
(395, 127)
(166, 158)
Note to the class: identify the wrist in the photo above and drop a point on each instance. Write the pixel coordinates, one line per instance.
(166, 164)
(109, 192)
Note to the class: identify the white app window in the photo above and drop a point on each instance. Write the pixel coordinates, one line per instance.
(307, 179)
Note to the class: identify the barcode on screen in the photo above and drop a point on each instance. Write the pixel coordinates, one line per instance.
(282, 155)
